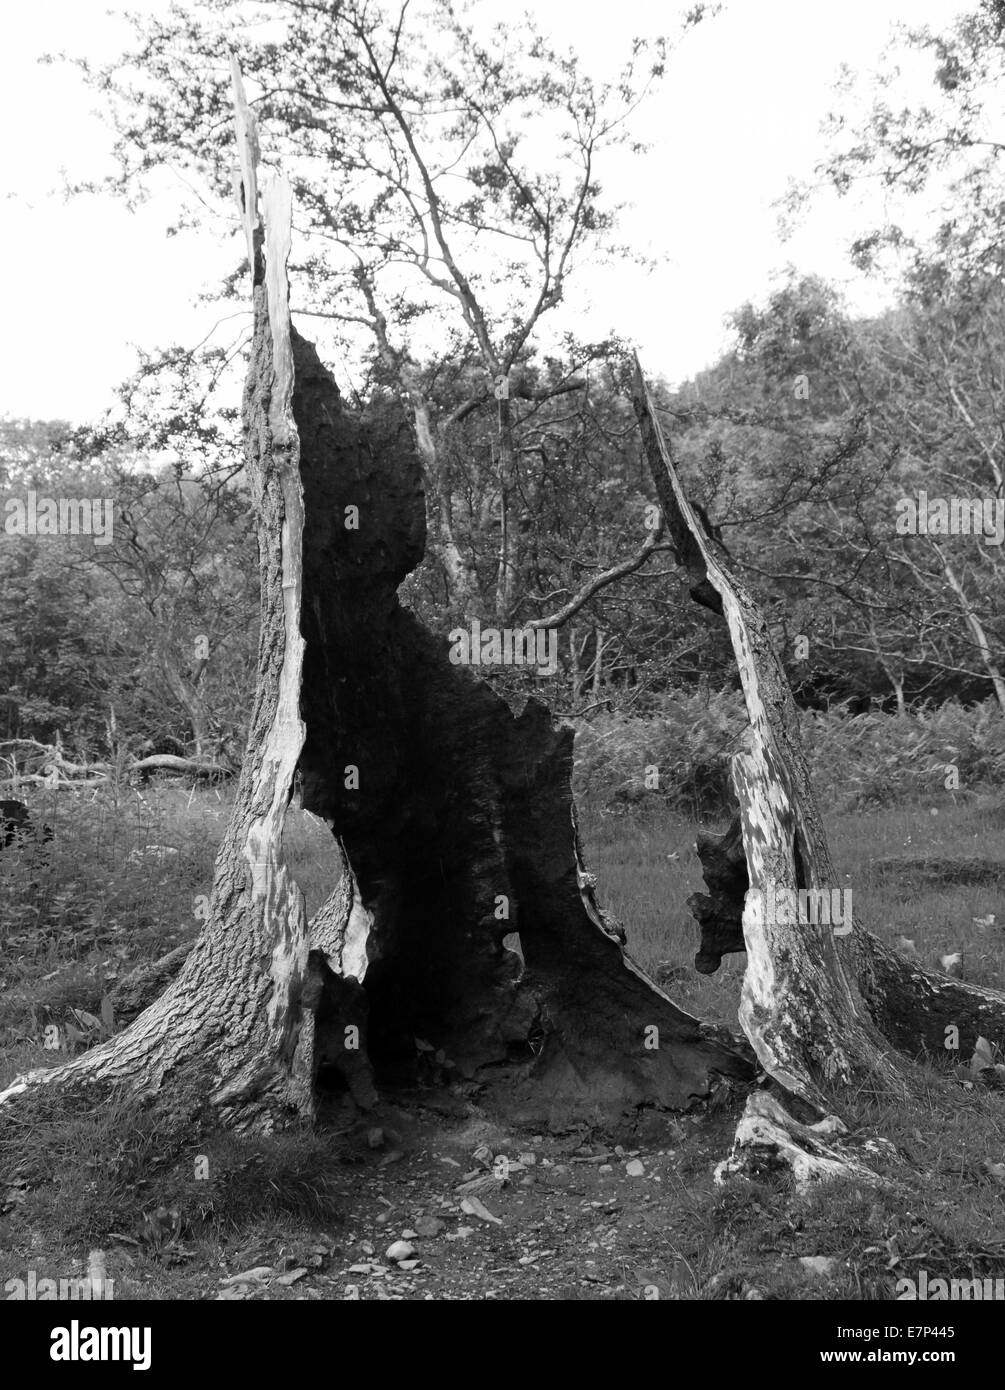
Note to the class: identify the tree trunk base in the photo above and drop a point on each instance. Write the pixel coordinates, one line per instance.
(769, 1141)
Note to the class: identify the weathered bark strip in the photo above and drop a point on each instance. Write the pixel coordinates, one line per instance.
(818, 1007)
(336, 1034)
(456, 815)
(799, 1006)
(226, 1030)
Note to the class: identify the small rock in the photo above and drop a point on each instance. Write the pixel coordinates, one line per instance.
(635, 1169)
(461, 1233)
(473, 1207)
(408, 1264)
(605, 1168)
(366, 1247)
(400, 1250)
(291, 1277)
(528, 1159)
(250, 1276)
(428, 1226)
(409, 1235)
(822, 1266)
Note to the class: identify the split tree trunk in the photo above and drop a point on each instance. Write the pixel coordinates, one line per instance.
(823, 1010)
(456, 815)
(457, 819)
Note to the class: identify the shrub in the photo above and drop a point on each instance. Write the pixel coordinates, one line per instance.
(857, 760)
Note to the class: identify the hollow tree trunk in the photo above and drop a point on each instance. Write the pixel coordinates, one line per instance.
(822, 1007)
(455, 813)
(457, 817)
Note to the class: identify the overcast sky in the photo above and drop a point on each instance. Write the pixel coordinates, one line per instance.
(86, 281)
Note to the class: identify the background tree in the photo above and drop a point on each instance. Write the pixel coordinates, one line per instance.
(447, 184)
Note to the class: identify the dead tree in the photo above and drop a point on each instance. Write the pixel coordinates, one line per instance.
(457, 827)
(824, 1010)
(454, 812)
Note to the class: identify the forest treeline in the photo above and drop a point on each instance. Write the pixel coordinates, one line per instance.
(800, 445)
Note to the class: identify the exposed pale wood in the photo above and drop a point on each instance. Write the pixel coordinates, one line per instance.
(820, 1009)
(768, 1138)
(799, 1007)
(248, 154)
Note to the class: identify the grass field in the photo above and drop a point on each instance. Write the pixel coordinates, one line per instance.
(647, 868)
(119, 885)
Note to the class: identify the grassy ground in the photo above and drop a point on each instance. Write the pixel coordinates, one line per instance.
(647, 868)
(178, 1212)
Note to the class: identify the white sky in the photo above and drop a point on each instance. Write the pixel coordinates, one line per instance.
(738, 115)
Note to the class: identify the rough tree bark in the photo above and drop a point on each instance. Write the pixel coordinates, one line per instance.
(226, 1030)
